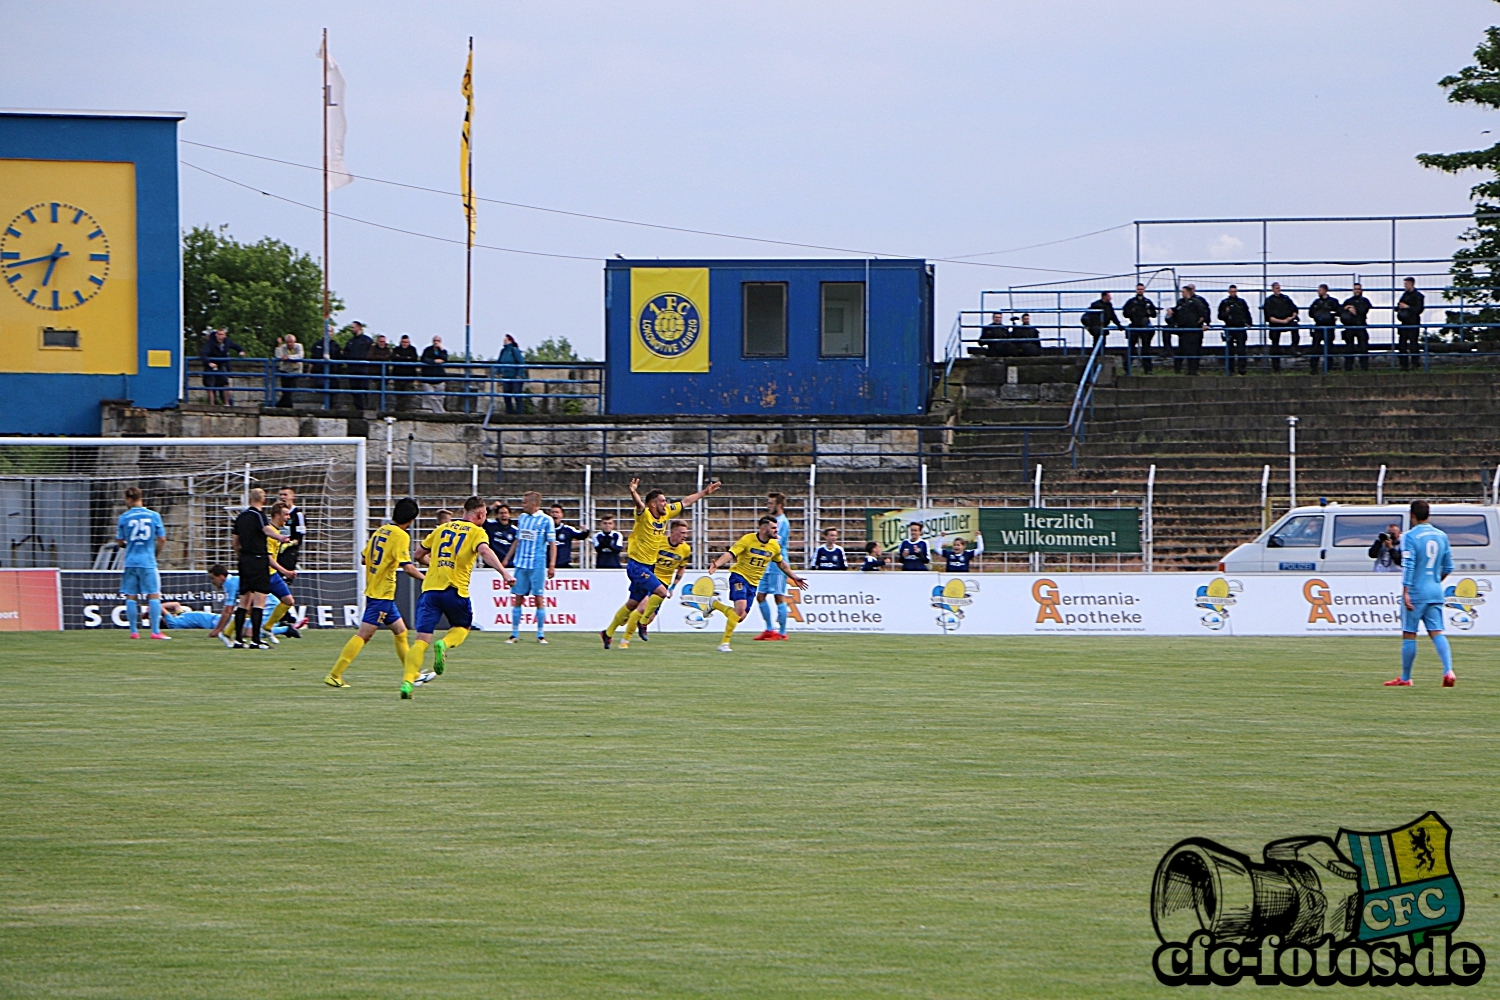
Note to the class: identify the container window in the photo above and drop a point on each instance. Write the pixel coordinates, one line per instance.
(765, 319)
(843, 319)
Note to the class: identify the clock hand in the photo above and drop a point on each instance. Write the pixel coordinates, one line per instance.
(35, 260)
(59, 252)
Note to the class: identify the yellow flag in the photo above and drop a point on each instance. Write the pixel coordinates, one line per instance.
(669, 319)
(465, 169)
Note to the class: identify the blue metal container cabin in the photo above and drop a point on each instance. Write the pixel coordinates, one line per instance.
(891, 378)
(64, 403)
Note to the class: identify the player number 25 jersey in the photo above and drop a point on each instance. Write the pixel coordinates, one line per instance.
(139, 528)
(388, 549)
(649, 535)
(752, 556)
(454, 547)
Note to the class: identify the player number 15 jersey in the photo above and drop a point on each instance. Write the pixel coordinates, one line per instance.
(388, 549)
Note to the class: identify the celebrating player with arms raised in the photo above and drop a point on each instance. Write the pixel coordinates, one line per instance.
(671, 563)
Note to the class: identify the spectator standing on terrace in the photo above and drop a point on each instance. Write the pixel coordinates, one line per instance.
(1355, 314)
(404, 360)
(435, 375)
(217, 349)
(1141, 312)
(1189, 317)
(289, 356)
(512, 374)
(1281, 317)
(1099, 316)
(381, 352)
(1324, 312)
(357, 349)
(1409, 314)
(1234, 313)
(608, 544)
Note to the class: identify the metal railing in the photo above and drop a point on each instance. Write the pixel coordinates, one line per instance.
(387, 386)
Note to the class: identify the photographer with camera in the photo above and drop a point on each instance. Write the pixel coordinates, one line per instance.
(1387, 550)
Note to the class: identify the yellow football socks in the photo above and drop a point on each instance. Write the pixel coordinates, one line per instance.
(653, 604)
(621, 617)
(401, 647)
(281, 609)
(455, 637)
(731, 624)
(414, 660)
(722, 608)
(351, 649)
(632, 623)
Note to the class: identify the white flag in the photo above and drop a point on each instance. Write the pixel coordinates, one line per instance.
(338, 174)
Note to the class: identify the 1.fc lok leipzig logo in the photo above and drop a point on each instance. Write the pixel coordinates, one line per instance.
(669, 325)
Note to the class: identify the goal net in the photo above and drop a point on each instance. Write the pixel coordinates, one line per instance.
(60, 497)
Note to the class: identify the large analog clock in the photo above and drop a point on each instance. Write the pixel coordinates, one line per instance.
(54, 256)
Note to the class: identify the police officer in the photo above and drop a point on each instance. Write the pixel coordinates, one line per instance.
(1409, 315)
(1355, 313)
(1189, 317)
(1234, 313)
(1324, 312)
(1099, 316)
(1141, 311)
(1281, 317)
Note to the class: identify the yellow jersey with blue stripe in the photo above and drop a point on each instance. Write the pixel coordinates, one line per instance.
(669, 558)
(752, 556)
(388, 549)
(649, 534)
(454, 547)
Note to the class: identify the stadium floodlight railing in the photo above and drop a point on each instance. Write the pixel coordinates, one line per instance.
(66, 493)
(567, 387)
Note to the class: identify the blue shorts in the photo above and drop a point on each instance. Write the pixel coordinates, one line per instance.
(1429, 613)
(279, 587)
(774, 582)
(380, 612)
(643, 581)
(740, 589)
(530, 582)
(434, 605)
(140, 580)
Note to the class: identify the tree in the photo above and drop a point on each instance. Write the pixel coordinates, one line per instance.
(1475, 278)
(553, 351)
(258, 291)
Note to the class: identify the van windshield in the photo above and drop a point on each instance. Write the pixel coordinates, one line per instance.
(1360, 529)
(1462, 529)
(1301, 532)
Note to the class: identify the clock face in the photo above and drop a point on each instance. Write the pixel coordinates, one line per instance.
(54, 256)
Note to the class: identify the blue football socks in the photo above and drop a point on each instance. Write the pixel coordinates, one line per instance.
(515, 620)
(782, 611)
(765, 612)
(1408, 657)
(133, 614)
(541, 618)
(155, 607)
(1444, 651)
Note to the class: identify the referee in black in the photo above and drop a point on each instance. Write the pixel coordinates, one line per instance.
(296, 526)
(251, 529)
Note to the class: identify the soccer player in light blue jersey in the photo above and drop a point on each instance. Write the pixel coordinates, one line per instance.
(1425, 560)
(141, 534)
(533, 555)
(774, 582)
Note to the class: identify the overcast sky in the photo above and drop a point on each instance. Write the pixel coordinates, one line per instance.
(906, 129)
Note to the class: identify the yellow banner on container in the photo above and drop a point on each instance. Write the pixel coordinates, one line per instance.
(669, 319)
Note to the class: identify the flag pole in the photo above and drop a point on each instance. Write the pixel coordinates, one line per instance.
(469, 224)
(326, 312)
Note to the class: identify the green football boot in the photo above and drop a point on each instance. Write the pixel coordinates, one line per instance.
(406, 689)
(439, 656)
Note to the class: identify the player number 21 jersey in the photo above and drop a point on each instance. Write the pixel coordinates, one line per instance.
(388, 549)
(454, 547)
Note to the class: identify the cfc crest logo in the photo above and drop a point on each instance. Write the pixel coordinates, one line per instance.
(669, 325)
(1372, 908)
(950, 599)
(1215, 599)
(1462, 602)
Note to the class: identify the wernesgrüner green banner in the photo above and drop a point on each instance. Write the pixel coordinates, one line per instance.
(1100, 530)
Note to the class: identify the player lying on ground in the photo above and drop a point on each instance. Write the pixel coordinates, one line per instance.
(179, 616)
(671, 563)
(223, 580)
(647, 538)
(387, 552)
(751, 555)
(1425, 560)
(452, 548)
(140, 533)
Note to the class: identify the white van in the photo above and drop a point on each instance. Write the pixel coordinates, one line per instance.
(1337, 538)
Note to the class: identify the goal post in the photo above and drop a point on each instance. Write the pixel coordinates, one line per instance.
(60, 497)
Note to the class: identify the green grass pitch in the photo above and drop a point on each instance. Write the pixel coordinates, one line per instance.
(828, 817)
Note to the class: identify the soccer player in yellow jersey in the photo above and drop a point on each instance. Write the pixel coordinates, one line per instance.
(647, 538)
(452, 547)
(386, 553)
(751, 555)
(671, 563)
(280, 575)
